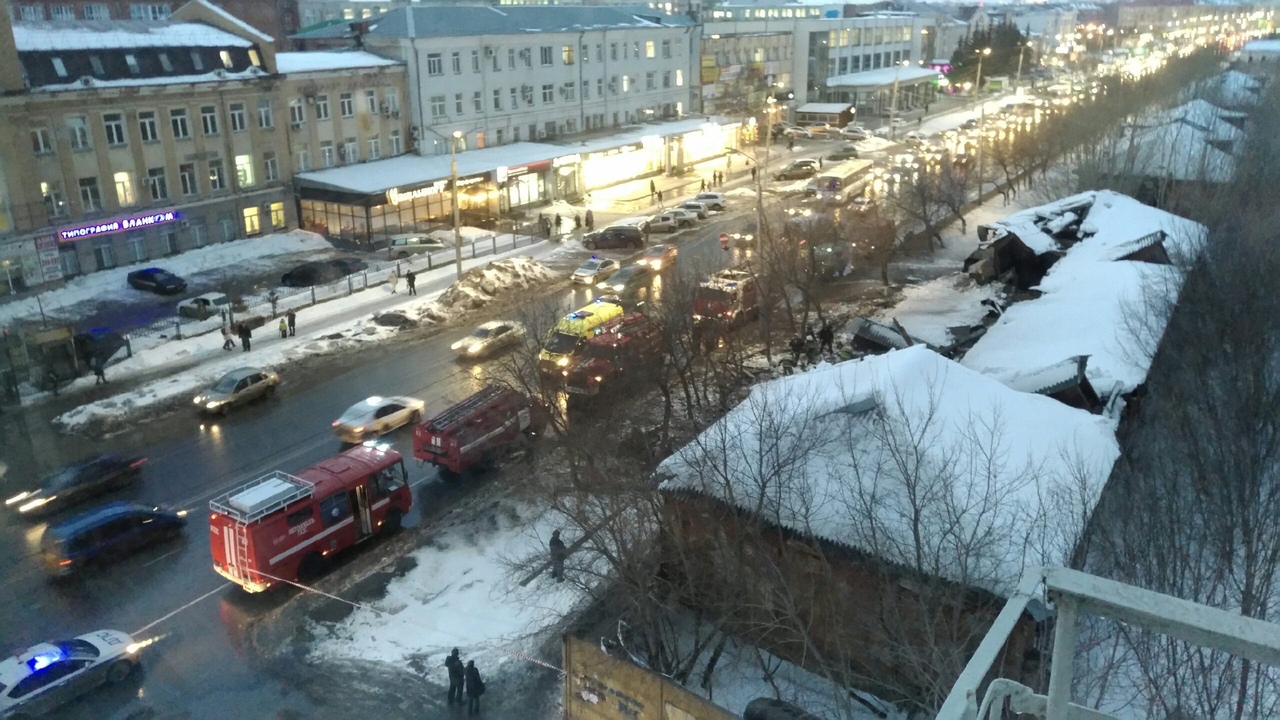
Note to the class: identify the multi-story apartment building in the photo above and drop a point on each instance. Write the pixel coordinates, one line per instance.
(528, 73)
(277, 18)
(739, 71)
(127, 140)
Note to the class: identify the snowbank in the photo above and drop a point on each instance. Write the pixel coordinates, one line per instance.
(466, 232)
(461, 593)
(479, 286)
(107, 284)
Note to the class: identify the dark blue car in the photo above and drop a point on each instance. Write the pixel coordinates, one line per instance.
(106, 533)
(157, 280)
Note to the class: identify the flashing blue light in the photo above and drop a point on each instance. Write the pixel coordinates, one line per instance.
(595, 257)
(579, 314)
(731, 285)
(44, 660)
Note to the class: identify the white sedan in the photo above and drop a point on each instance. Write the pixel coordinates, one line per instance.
(488, 339)
(376, 416)
(47, 676)
(594, 270)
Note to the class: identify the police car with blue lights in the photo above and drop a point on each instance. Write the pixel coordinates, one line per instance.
(45, 677)
(594, 270)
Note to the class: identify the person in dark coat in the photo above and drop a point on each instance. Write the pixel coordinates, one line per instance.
(292, 317)
(474, 686)
(558, 553)
(410, 279)
(703, 183)
(591, 221)
(797, 347)
(454, 665)
(826, 336)
(558, 223)
(245, 336)
(653, 189)
(98, 367)
(753, 173)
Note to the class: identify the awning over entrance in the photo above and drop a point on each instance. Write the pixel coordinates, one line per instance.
(823, 108)
(884, 77)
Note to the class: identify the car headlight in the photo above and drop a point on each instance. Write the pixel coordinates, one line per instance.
(562, 361)
(28, 507)
(212, 404)
(358, 429)
(17, 498)
(198, 399)
(456, 345)
(474, 348)
(656, 264)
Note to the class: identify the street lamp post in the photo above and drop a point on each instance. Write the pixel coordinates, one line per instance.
(982, 122)
(893, 102)
(453, 183)
(1017, 82)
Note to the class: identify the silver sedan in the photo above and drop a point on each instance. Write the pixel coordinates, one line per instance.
(376, 416)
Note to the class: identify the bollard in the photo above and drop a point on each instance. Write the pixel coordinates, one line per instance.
(313, 294)
(177, 329)
(495, 244)
(128, 346)
(350, 289)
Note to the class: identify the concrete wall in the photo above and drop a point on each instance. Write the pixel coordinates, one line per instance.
(598, 686)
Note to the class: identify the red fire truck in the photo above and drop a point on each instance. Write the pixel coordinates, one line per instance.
(624, 347)
(282, 527)
(728, 296)
(475, 430)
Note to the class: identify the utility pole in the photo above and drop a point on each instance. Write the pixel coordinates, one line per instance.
(893, 103)
(770, 108)
(453, 183)
(1017, 83)
(982, 122)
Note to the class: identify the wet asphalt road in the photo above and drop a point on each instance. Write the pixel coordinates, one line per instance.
(200, 666)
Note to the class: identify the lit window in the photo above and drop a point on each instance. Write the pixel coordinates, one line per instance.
(254, 58)
(225, 56)
(244, 171)
(124, 188)
(648, 49)
(679, 78)
(277, 216)
(252, 222)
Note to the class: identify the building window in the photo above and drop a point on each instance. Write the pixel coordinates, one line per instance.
(187, 177)
(225, 57)
(679, 78)
(437, 107)
(586, 53)
(477, 101)
(375, 148)
(327, 157)
(351, 150)
(136, 244)
(149, 11)
(435, 64)
(613, 51)
(33, 13)
(104, 254)
(244, 171)
(239, 120)
(124, 189)
(197, 61)
(277, 216)
(626, 84)
(90, 196)
(132, 61)
(78, 131)
(199, 233)
(648, 49)
(569, 91)
(666, 79)
(266, 116)
(270, 167)
(346, 105)
(666, 48)
(178, 121)
(297, 113)
(548, 93)
(170, 242)
(511, 58)
(55, 202)
(599, 87)
(566, 54)
(41, 141)
(545, 53)
(301, 160)
(371, 101)
(147, 128)
(254, 58)
(209, 119)
(59, 67)
(497, 98)
(457, 64)
(635, 46)
(252, 224)
(496, 66)
(394, 142)
(457, 103)
(393, 100)
(322, 107)
(157, 185)
(97, 11)
(217, 176)
(228, 227)
(515, 98)
(650, 81)
(475, 61)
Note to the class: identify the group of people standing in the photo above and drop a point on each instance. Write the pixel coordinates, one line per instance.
(717, 179)
(464, 680)
(288, 327)
(551, 225)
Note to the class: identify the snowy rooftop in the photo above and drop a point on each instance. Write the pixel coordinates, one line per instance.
(1092, 302)
(881, 77)
(470, 21)
(822, 452)
(1237, 88)
(407, 171)
(1204, 116)
(117, 34)
(1176, 151)
(828, 108)
(209, 77)
(318, 60)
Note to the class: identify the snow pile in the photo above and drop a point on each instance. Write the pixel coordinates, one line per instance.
(466, 232)
(102, 285)
(815, 452)
(875, 143)
(461, 593)
(479, 286)
(929, 311)
(569, 247)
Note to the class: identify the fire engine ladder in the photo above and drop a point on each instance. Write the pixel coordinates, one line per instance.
(462, 410)
(242, 547)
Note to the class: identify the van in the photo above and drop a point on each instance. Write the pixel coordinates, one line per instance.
(571, 331)
(105, 533)
(400, 247)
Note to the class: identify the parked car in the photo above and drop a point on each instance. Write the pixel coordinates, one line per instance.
(686, 218)
(713, 200)
(376, 416)
(347, 266)
(488, 339)
(659, 257)
(78, 482)
(203, 307)
(698, 209)
(666, 222)
(308, 274)
(400, 247)
(156, 280)
(594, 270)
(855, 132)
(798, 170)
(795, 132)
(843, 154)
(106, 533)
(615, 236)
(44, 677)
(238, 387)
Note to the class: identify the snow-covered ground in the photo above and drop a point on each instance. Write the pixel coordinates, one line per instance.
(111, 285)
(464, 593)
(324, 329)
(929, 310)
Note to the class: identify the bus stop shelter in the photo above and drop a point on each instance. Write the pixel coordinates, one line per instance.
(871, 91)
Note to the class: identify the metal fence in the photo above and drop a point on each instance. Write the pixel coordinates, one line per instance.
(264, 306)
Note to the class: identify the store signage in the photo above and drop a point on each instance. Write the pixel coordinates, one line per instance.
(395, 196)
(566, 160)
(50, 263)
(115, 226)
(614, 151)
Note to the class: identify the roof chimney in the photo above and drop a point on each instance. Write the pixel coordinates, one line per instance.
(10, 68)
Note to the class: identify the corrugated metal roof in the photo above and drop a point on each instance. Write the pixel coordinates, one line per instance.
(467, 21)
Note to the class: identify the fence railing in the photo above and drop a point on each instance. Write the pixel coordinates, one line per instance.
(262, 305)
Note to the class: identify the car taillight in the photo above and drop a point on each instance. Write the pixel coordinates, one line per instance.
(137, 463)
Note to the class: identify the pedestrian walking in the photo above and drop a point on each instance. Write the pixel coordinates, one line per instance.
(558, 222)
(653, 190)
(453, 664)
(826, 336)
(284, 329)
(919, 121)
(796, 346)
(228, 343)
(819, 163)
(659, 197)
(474, 687)
(591, 221)
(98, 369)
(411, 282)
(558, 553)
(292, 317)
(394, 280)
(753, 173)
(52, 375)
(246, 336)
(791, 144)
(577, 221)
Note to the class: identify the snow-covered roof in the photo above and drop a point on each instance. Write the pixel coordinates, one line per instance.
(881, 77)
(219, 76)
(1092, 302)
(1202, 115)
(242, 26)
(1262, 46)
(1237, 88)
(1176, 151)
(472, 20)
(318, 60)
(826, 108)
(902, 452)
(119, 34)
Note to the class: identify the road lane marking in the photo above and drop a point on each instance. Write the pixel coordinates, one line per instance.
(161, 619)
(156, 560)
